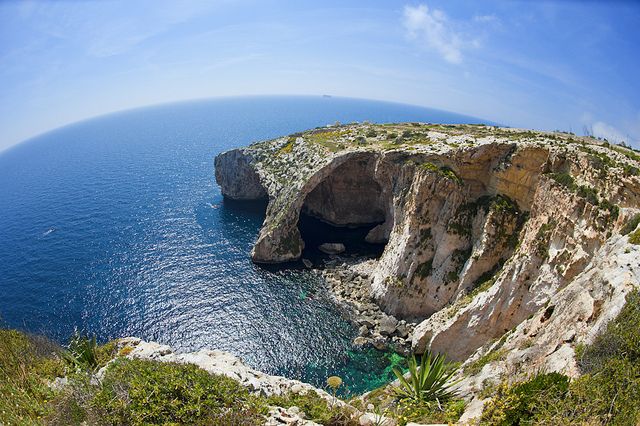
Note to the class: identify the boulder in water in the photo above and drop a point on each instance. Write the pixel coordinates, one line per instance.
(332, 248)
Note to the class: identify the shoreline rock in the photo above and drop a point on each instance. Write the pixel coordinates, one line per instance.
(349, 283)
(217, 362)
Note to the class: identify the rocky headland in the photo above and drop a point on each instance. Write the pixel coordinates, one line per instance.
(506, 248)
(515, 253)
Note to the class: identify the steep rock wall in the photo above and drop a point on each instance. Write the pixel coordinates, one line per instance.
(237, 177)
(484, 225)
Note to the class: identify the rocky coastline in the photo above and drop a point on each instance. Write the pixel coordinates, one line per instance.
(225, 364)
(513, 253)
(488, 233)
(348, 281)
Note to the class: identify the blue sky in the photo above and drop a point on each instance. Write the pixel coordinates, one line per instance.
(567, 65)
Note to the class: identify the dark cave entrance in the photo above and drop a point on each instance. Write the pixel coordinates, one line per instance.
(315, 232)
(349, 207)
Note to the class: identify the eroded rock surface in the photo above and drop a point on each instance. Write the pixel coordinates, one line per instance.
(492, 235)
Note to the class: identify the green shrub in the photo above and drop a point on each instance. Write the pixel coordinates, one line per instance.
(621, 339)
(106, 352)
(613, 209)
(429, 381)
(413, 411)
(27, 365)
(634, 238)
(543, 238)
(504, 204)
(424, 269)
(564, 179)
(630, 170)
(137, 392)
(443, 171)
(315, 408)
(589, 194)
(631, 225)
(607, 394)
(518, 404)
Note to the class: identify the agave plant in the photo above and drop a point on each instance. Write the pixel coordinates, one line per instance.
(429, 381)
(82, 352)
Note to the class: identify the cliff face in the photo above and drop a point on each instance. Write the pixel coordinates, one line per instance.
(485, 227)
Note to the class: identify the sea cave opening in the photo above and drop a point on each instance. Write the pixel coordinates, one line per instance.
(347, 207)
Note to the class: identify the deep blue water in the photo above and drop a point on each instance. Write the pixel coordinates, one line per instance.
(115, 226)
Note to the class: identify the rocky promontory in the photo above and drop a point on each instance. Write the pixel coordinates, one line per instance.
(499, 241)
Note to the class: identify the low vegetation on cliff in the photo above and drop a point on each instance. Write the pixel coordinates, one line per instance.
(509, 246)
(43, 383)
(608, 392)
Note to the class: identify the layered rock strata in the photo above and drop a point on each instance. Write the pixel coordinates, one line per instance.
(486, 228)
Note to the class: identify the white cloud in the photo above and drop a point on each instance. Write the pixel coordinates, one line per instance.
(434, 28)
(626, 129)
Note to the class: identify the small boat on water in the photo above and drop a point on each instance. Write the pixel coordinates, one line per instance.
(48, 231)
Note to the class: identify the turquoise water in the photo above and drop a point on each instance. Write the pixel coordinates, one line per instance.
(115, 226)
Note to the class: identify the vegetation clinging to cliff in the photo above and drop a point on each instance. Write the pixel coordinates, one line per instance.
(443, 171)
(630, 229)
(608, 392)
(139, 392)
(131, 391)
(27, 365)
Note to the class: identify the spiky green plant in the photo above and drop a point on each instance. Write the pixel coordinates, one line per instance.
(427, 382)
(82, 352)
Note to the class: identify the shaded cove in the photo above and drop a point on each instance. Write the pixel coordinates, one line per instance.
(115, 226)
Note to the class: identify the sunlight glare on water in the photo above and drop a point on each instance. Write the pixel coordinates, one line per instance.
(115, 226)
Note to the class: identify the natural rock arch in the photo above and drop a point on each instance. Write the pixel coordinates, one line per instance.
(350, 200)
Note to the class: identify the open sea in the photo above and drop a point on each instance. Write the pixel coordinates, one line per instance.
(115, 226)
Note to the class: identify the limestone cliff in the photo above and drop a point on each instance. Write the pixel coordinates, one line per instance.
(488, 230)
